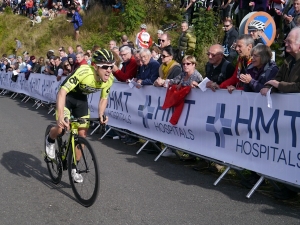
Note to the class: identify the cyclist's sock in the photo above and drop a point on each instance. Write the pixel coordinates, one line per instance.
(50, 140)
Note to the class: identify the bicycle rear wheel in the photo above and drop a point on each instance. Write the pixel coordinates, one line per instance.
(87, 191)
(54, 165)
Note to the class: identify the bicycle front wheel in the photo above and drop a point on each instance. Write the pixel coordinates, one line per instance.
(86, 191)
(54, 166)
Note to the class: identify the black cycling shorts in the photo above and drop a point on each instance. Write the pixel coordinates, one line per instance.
(78, 108)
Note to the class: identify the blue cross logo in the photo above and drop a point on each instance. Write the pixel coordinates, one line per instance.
(146, 111)
(219, 125)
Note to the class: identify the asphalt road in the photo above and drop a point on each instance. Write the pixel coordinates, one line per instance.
(133, 190)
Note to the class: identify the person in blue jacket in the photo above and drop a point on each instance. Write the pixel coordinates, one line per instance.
(77, 22)
(148, 72)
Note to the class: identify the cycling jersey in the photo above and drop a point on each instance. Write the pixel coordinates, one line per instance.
(82, 82)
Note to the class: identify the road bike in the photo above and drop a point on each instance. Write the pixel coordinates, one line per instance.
(65, 159)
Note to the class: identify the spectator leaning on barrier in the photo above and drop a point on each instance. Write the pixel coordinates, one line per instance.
(80, 60)
(244, 44)
(169, 68)
(261, 69)
(42, 64)
(58, 72)
(50, 67)
(22, 64)
(187, 41)
(287, 80)
(29, 67)
(12, 59)
(72, 60)
(190, 76)
(148, 72)
(231, 34)
(26, 56)
(129, 68)
(67, 69)
(217, 69)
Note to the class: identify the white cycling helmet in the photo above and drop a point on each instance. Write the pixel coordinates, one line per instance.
(256, 25)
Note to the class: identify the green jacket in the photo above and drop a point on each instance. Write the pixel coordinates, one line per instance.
(187, 43)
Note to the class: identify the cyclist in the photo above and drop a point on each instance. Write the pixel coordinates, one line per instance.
(256, 29)
(72, 96)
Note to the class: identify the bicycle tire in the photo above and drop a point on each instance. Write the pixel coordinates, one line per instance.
(54, 166)
(87, 191)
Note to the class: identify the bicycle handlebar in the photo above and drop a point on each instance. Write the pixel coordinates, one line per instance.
(83, 120)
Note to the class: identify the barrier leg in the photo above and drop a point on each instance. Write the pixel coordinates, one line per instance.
(141, 148)
(24, 98)
(12, 95)
(96, 128)
(222, 175)
(3, 92)
(50, 110)
(105, 133)
(16, 95)
(39, 105)
(36, 102)
(261, 179)
(28, 99)
(162, 152)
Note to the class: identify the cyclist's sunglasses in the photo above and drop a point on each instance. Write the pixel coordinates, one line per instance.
(105, 67)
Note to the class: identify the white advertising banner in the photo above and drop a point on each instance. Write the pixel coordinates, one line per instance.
(39, 86)
(236, 128)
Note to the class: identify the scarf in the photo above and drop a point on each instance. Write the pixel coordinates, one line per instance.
(164, 70)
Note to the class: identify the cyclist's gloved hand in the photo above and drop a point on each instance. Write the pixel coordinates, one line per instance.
(62, 123)
(103, 119)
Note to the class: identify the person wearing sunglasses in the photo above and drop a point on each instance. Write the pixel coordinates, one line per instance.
(129, 68)
(72, 96)
(169, 67)
(165, 40)
(231, 34)
(67, 69)
(217, 69)
(190, 76)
